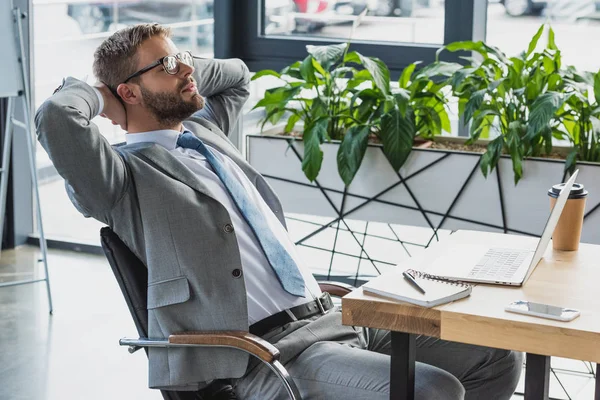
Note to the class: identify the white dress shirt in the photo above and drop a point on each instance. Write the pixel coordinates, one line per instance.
(265, 294)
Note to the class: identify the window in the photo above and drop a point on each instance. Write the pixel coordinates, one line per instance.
(66, 33)
(396, 31)
(398, 21)
(575, 23)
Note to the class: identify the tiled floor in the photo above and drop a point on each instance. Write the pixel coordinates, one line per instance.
(74, 354)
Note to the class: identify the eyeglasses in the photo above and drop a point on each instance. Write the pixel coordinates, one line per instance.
(169, 63)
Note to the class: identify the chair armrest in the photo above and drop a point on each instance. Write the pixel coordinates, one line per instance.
(252, 344)
(241, 340)
(338, 289)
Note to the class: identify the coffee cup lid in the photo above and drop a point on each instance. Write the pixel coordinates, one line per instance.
(577, 191)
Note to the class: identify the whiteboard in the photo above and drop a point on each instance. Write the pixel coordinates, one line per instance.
(11, 82)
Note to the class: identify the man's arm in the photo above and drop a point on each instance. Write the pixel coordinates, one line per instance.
(81, 155)
(224, 85)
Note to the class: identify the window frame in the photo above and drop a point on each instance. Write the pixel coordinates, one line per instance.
(464, 20)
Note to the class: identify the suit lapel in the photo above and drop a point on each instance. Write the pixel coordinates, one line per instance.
(161, 159)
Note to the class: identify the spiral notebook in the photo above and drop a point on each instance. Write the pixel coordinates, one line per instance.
(437, 290)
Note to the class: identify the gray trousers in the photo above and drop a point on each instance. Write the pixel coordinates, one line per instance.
(329, 361)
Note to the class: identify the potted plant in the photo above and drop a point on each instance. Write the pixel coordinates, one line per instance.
(517, 97)
(346, 97)
(580, 117)
(515, 106)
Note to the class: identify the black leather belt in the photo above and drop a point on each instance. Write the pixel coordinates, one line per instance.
(303, 311)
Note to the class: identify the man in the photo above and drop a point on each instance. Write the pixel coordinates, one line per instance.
(212, 233)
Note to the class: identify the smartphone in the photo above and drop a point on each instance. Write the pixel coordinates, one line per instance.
(542, 310)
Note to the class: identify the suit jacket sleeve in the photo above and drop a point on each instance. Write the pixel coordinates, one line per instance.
(224, 85)
(82, 156)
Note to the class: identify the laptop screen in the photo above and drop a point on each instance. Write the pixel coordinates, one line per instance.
(551, 224)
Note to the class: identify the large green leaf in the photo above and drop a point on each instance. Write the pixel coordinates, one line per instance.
(364, 112)
(397, 135)
(543, 110)
(474, 104)
(534, 41)
(318, 108)
(358, 78)
(516, 155)
(307, 70)
(571, 161)
(490, 158)
(554, 82)
(342, 72)
(535, 86)
(551, 42)
(292, 70)
(279, 97)
(549, 65)
(273, 115)
(481, 124)
(293, 73)
(291, 122)
(407, 74)
(463, 76)
(367, 98)
(319, 67)
(444, 119)
(326, 55)
(483, 49)
(313, 155)
(439, 68)
(351, 152)
(466, 46)
(358, 21)
(429, 123)
(379, 72)
(265, 72)
(517, 65)
(597, 86)
(402, 97)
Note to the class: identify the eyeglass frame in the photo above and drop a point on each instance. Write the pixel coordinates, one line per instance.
(151, 66)
(158, 62)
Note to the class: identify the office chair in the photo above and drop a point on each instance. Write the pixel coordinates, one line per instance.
(132, 276)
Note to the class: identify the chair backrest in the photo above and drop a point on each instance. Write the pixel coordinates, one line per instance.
(132, 276)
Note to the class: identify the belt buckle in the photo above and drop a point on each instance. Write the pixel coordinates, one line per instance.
(320, 304)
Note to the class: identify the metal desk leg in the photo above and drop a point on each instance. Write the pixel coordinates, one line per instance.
(597, 395)
(537, 377)
(402, 371)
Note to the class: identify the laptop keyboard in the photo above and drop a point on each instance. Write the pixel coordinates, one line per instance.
(499, 264)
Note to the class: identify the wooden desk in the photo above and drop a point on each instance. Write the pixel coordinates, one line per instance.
(569, 279)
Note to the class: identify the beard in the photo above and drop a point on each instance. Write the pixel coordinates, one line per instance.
(171, 108)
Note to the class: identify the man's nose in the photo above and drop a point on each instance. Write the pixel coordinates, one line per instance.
(185, 70)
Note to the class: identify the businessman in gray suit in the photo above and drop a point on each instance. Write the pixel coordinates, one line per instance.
(212, 234)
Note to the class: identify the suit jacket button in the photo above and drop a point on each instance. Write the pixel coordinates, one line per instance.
(228, 228)
(236, 273)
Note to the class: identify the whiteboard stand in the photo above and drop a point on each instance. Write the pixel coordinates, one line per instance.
(11, 122)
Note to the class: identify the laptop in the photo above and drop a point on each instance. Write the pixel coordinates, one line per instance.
(499, 265)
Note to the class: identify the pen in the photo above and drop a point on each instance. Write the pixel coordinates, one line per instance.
(412, 281)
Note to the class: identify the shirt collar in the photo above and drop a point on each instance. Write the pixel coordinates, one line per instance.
(166, 138)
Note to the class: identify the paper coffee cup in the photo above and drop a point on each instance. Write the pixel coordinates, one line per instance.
(568, 230)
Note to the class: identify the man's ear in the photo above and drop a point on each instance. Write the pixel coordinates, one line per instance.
(129, 93)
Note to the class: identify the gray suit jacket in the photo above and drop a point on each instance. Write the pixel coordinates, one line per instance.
(166, 216)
